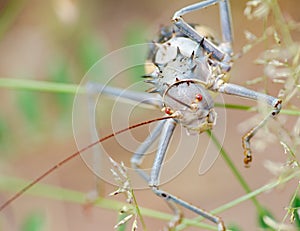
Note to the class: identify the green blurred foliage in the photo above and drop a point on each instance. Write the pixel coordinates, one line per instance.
(35, 221)
(28, 104)
(136, 34)
(296, 206)
(261, 216)
(90, 50)
(122, 227)
(59, 72)
(234, 227)
(5, 134)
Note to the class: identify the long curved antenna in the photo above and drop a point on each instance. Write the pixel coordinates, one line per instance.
(67, 159)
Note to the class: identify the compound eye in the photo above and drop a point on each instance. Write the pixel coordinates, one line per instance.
(199, 97)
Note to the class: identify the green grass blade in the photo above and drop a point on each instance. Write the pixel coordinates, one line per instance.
(29, 106)
(9, 14)
(54, 87)
(42, 86)
(234, 170)
(34, 222)
(239, 200)
(13, 185)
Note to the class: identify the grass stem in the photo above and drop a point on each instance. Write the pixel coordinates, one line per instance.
(68, 88)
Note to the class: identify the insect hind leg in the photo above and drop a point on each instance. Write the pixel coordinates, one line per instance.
(222, 53)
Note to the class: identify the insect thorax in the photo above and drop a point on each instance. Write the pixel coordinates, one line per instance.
(179, 67)
(177, 59)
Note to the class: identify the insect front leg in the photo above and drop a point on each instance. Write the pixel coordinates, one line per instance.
(232, 89)
(138, 156)
(97, 159)
(141, 97)
(94, 90)
(172, 200)
(222, 53)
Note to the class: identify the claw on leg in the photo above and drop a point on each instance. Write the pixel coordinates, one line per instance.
(178, 216)
(248, 158)
(246, 146)
(247, 137)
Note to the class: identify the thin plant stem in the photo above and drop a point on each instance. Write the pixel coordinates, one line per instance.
(290, 205)
(138, 210)
(234, 170)
(42, 86)
(281, 24)
(12, 184)
(52, 87)
(239, 200)
(254, 193)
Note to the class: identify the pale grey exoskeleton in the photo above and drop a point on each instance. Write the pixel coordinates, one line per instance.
(187, 66)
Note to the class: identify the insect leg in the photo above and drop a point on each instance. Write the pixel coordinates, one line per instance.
(137, 157)
(143, 97)
(172, 200)
(97, 159)
(165, 138)
(185, 28)
(95, 89)
(226, 26)
(237, 90)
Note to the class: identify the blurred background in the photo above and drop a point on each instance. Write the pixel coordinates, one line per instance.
(59, 41)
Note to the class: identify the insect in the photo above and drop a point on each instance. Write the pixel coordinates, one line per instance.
(187, 66)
